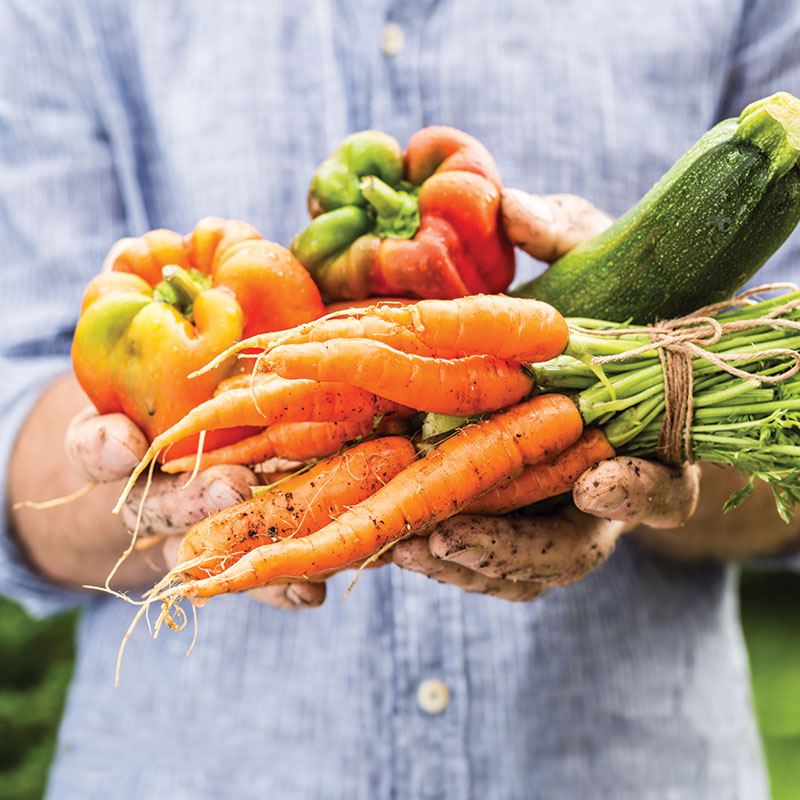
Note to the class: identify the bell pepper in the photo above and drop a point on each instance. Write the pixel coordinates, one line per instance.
(424, 224)
(166, 304)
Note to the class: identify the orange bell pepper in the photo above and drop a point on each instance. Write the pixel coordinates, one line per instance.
(166, 304)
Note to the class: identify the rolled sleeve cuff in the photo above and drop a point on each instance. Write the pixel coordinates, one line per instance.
(39, 596)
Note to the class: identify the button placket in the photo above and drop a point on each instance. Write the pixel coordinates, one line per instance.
(428, 650)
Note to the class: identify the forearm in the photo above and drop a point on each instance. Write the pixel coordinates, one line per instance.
(753, 530)
(79, 542)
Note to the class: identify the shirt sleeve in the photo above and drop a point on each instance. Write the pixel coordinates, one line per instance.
(60, 207)
(765, 60)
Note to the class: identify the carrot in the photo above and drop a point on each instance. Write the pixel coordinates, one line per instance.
(295, 508)
(363, 327)
(428, 491)
(367, 302)
(539, 481)
(509, 328)
(295, 441)
(270, 401)
(243, 380)
(460, 386)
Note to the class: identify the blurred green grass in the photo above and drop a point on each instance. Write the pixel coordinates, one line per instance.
(36, 659)
(771, 621)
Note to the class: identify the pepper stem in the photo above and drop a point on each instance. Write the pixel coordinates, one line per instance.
(397, 212)
(385, 200)
(181, 281)
(180, 288)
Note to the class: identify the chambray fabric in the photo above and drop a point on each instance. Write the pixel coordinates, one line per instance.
(117, 117)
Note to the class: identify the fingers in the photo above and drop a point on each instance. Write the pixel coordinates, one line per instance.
(104, 447)
(547, 226)
(556, 550)
(171, 509)
(415, 555)
(170, 549)
(635, 491)
(291, 596)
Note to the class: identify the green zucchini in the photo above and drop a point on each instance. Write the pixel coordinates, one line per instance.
(699, 234)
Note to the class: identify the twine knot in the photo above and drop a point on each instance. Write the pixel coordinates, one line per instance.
(679, 340)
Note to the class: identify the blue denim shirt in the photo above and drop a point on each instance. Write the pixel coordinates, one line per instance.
(119, 117)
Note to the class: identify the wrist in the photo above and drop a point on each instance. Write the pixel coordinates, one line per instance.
(76, 543)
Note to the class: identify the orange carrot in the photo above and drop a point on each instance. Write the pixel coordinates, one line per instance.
(366, 326)
(242, 381)
(429, 490)
(298, 506)
(367, 302)
(270, 401)
(460, 386)
(540, 481)
(295, 441)
(509, 328)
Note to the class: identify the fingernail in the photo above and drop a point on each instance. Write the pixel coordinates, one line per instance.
(296, 597)
(470, 557)
(609, 501)
(117, 456)
(221, 495)
(532, 204)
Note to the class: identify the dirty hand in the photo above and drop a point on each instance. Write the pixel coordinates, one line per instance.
(107, 448)
(518, 557)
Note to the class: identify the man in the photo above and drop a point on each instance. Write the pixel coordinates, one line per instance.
(630, 683)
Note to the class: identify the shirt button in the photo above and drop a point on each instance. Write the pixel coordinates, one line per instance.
(392, 39)
(433, 696)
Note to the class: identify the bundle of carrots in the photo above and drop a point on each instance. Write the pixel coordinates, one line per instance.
(476, 362)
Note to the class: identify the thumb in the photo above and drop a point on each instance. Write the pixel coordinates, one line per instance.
(172, 506)
(104, 447)
(636, 491)
(548, 225)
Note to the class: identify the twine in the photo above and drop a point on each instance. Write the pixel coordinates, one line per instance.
(679, 340)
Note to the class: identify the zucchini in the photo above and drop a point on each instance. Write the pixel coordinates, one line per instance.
(699, 234)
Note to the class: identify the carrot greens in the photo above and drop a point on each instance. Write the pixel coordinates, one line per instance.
(749, 423)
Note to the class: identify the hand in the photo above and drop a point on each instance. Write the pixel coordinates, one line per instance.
(108, 447)
(517, 558)
(548, 225)
(753, 530)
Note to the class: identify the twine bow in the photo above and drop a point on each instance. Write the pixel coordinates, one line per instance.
(679, 340)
